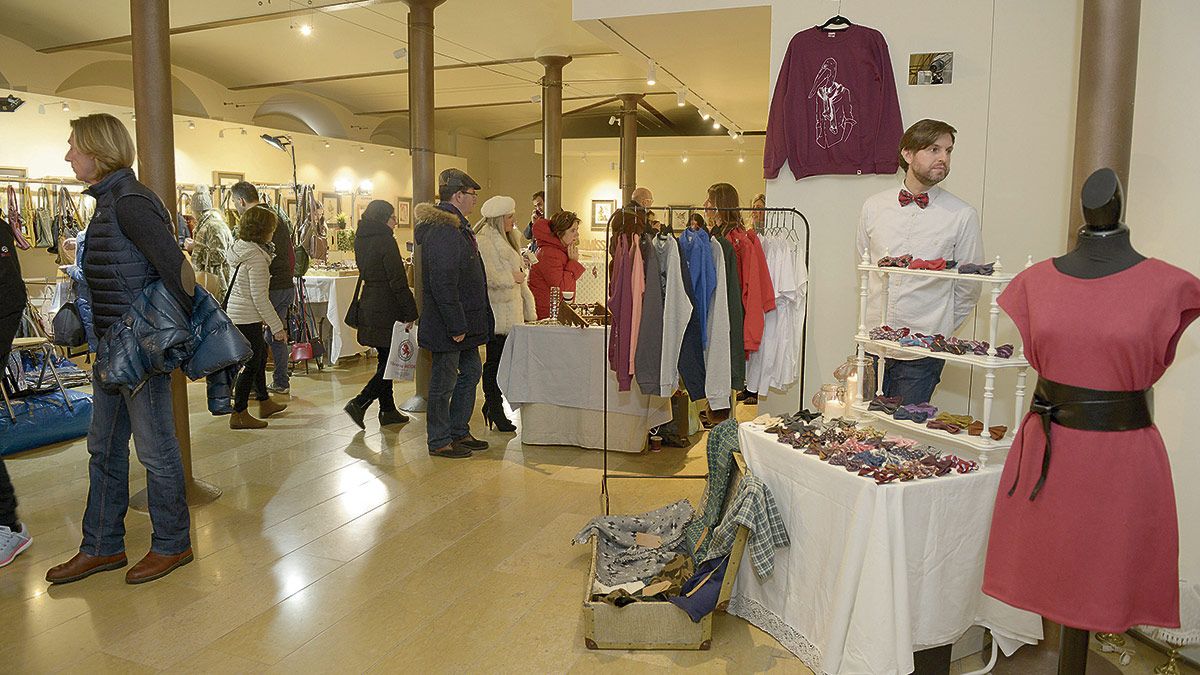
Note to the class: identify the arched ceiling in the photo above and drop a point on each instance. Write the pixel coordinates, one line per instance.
(113, 73)
(312, 113)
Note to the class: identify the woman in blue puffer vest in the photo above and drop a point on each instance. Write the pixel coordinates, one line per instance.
(129, 246)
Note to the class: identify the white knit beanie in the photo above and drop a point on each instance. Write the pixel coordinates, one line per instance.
(498, 206)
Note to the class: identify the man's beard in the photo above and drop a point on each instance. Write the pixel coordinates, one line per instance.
(929, 179)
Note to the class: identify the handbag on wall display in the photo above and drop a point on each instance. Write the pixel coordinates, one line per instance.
(43, 220)
(352, 317)
(14, 220)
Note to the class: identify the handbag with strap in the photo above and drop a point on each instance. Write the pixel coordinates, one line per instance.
(352, 313)
(68, 326)
(43, 220)
(14, 220)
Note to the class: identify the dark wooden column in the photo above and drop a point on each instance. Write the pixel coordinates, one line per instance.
(420, 126)
(552, 129)
(1104, 111)
(151, 30)
(629, 162)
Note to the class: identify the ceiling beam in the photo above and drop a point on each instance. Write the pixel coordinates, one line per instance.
(661, 117)
(400, 71)
(403, 111)
(535, 123)
(214, 25)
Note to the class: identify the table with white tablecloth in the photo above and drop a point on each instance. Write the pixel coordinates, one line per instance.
(328, 298)
(874, 572)
(555, 375)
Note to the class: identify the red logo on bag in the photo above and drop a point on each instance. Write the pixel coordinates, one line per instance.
(406, 350)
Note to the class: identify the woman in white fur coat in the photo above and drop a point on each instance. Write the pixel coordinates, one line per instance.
(508, 294)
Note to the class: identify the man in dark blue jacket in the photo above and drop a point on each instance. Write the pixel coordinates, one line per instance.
(455, 315)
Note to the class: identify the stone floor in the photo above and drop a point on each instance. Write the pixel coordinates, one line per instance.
(339, 550)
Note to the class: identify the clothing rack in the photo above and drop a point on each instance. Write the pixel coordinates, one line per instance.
(70, 182)
(776, 222)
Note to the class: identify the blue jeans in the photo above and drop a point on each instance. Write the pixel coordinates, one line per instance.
(913, 381)
(282, 301)
(147, 416)
(452, 385)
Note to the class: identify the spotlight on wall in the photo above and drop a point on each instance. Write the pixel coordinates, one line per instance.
(391, 153)
(327, 144)
(400, 53)
(652, 74)
(191, 125)
(66, 107)
(41, 108)
(361, 149)
(642, 159)
(612, 119)
(221, 133)
(742, 158)
(681, 97)
(536, 98)
(683, 158)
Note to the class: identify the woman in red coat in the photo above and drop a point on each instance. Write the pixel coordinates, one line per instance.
(558, 258)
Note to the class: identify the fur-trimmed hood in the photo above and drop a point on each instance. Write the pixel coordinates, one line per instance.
(429, 215)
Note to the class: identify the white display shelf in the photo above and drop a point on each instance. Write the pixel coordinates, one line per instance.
(984, 445)
(969, 359)
(945, 275)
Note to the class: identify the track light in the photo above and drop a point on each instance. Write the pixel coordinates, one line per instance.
(704, 114)
(652, 74)
(612, 119)
(733, 134)
(400, 53)
(681, 97)
(306, 29)
(716, 124)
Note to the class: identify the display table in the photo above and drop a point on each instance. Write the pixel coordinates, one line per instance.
(555, 376)
(874, 572)
(328, 298)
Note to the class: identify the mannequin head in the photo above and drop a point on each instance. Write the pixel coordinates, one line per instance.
(1102, 201)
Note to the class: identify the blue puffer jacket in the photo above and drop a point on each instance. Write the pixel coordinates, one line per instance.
(156, 336)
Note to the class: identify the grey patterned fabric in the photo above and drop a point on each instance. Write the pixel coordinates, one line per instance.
(621, 559)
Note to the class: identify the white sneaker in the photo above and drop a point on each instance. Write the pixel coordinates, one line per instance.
(13, 543)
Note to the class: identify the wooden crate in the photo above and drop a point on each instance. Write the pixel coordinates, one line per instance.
(660, 625)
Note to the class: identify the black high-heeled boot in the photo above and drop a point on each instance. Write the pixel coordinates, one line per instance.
(493, 414)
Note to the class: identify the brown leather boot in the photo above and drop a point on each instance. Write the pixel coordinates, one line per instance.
(244, 420)
(156, 566)
(268, 407)
(84, 565)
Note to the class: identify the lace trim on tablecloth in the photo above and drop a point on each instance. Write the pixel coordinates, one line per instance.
(767, 621)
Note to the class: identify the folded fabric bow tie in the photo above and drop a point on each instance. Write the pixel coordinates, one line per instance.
(921, 198)
(887, 404)
(917, 412)
(936, 264)
(1004, 351)
(957, 420)
(896, 261)
(944, 426)
(972, 268)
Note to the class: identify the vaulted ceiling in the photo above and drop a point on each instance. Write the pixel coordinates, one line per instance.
(484, 51)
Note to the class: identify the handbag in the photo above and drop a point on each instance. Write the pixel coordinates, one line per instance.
(68, 327)
(43, 220)
(14, 221)
(352, 313)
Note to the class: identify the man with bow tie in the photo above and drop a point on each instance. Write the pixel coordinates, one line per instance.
(927, 222)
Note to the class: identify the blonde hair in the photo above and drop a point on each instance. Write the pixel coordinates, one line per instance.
(103, 138)
(497, 224)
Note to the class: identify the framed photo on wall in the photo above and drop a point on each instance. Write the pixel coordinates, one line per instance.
(331, 206)
(404, 211)
(602, 210)
(679, 217)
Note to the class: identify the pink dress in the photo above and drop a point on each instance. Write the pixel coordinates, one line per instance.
(1099, 547)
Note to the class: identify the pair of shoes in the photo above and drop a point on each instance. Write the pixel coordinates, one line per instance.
(451, 451)
(13, 542)
(493, 414)
(470, 443)
(387, 417)
(84, 565)
(156, 566)
(269, 407)
(356, 412)
(244, 420)
(285, 391)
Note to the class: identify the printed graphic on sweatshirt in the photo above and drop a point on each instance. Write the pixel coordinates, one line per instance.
(834, 114)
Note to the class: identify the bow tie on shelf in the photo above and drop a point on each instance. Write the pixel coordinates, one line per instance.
(907, 198)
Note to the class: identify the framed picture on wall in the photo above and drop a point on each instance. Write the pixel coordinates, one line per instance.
(602, 210)
(331, 206)
(404, 211)
(679, 217)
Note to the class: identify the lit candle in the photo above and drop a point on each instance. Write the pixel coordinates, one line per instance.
(851, 389)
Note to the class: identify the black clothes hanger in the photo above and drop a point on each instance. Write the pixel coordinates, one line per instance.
(836, 20)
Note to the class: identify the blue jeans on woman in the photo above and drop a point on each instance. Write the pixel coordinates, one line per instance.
(147, 416)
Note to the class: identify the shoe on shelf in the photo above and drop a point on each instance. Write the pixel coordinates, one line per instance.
(471, 443)
(156, 566)
(452, 451)
(356, 413)
(84, 565)
(13, 542)
(493, 415)
(244, 420)
(387, 417)
(269, 407)
(283, 391)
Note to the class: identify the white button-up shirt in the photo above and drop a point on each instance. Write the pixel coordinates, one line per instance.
(947, 228)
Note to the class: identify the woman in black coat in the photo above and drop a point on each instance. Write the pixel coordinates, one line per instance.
(385, 299)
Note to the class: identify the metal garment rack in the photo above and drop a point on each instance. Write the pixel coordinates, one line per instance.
(775, 222)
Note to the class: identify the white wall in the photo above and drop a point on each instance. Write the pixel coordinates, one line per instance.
(1162, 215)
(37, 142)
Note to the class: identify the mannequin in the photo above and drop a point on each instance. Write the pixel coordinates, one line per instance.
(1103, 247)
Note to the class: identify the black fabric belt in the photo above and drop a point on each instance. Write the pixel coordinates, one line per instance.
(1084, 409)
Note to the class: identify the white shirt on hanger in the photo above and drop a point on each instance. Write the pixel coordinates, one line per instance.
(947, 228)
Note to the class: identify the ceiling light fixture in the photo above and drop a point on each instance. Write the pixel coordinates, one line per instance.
(612, 119)
(642, 159)
(306, 29)
(683, 158)
(704, 114)
(716, 124)
(66, 107)
(652, 74)
(400, 53)
(391, 153)
(681, 97)
(742, 158)
(733, 134)
(361, 149)
(536, 98)
(191, 125)
(327, 144)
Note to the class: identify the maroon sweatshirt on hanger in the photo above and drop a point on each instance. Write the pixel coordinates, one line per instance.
(834, 110)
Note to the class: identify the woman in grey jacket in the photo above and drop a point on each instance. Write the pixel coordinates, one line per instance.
(249, 307)
(210, 245)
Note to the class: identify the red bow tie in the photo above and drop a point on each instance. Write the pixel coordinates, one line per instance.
(907, 198)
